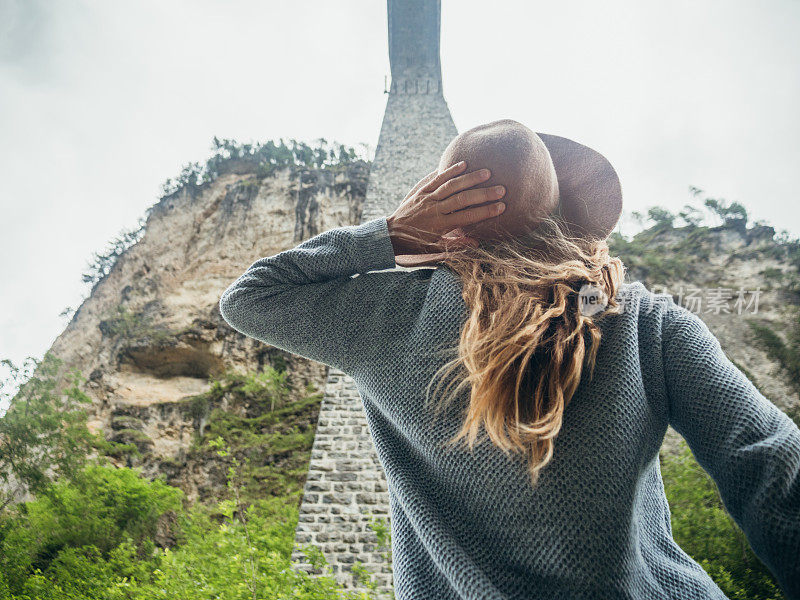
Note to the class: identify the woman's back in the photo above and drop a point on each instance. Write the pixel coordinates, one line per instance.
(469, 524)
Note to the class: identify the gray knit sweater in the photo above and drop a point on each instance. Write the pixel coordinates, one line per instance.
(468, 525)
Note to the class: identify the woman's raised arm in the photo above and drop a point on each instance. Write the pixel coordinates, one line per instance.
(749, 447)
(319, 299)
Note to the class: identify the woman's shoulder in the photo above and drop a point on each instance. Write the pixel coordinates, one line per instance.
(637, 301)
(633, 295)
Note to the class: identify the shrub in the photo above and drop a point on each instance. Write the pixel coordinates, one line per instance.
(102, 262)
(101, 508)
(43, 435)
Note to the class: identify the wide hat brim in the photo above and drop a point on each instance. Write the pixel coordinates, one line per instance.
(590, 194)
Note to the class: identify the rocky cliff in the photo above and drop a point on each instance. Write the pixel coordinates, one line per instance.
(157, 355)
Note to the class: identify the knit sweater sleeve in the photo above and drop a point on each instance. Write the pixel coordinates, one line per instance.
(747, 445)
(319, 300)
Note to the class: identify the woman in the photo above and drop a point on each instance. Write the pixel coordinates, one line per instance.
(526, 333)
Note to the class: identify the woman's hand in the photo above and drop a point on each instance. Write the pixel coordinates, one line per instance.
(427, 224)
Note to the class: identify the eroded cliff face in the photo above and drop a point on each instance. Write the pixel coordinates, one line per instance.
(150, 336)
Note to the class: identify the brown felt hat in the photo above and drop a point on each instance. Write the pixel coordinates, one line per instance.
(543, 174)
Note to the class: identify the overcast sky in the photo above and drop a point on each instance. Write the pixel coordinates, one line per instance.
(100, 102)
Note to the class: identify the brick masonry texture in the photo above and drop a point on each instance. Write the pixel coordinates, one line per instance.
(346, 486)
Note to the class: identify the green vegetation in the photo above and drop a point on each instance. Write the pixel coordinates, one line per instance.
(773, 273)
(677, 246)
(788, 355)
(262, 159)
(43, 435)
(126, 422)
(102, 262)
(96, 532)
(130, 325)
(733, 215)
(658, 267)
(102, 538)
(101, 507)
(271, 436)
(705, 531)
(133, 437)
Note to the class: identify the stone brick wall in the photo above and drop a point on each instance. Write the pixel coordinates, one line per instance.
(416, 129)
(346, 486)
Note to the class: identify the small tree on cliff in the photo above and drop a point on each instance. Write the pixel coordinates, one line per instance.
(43, 435)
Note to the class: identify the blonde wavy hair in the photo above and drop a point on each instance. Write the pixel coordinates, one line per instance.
(526, 341)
